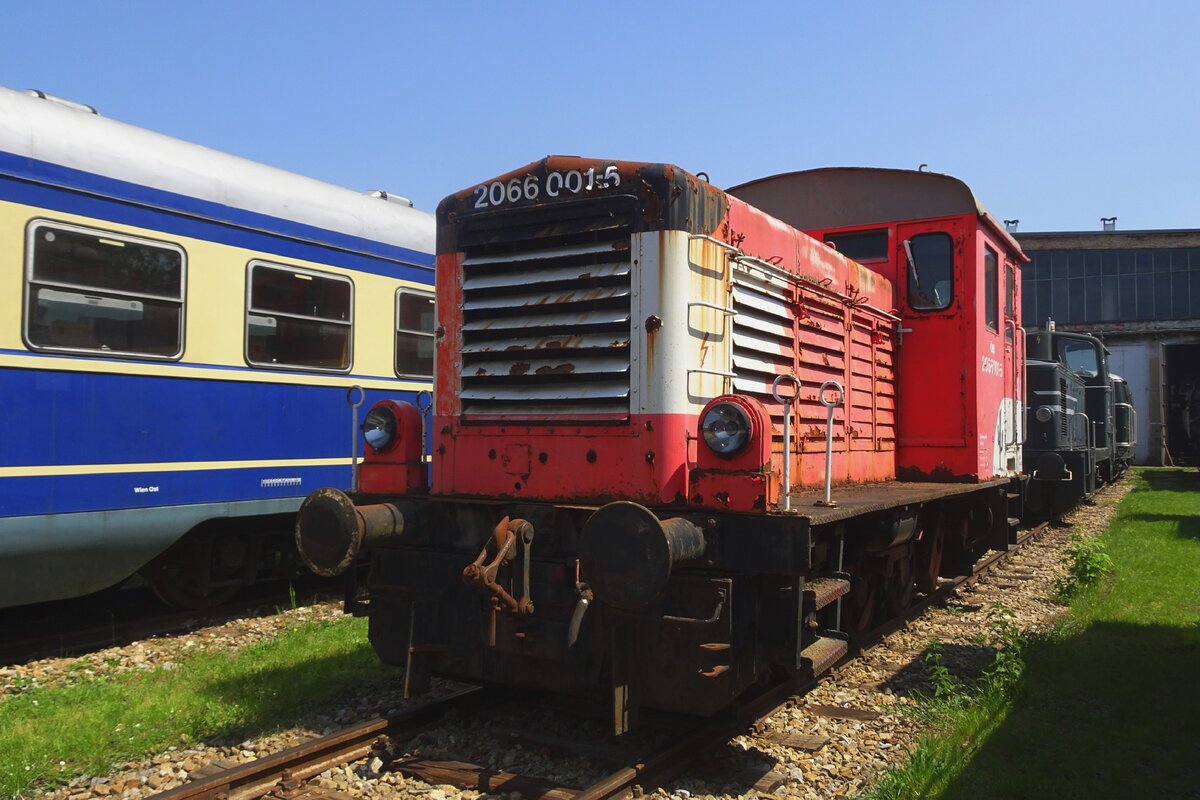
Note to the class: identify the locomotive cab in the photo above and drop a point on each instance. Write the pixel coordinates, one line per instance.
(959, 383)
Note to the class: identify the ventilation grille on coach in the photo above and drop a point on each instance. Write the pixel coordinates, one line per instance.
(546, 311)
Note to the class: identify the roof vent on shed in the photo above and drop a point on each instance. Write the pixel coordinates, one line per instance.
(391, 198)
(62, 101)
(1110, 223)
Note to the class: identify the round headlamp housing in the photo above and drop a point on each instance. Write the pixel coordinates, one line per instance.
(725, 428)
(379, 428)
(1043, 414)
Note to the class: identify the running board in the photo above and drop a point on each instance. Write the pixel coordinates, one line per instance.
(823, 654)
(820, 592)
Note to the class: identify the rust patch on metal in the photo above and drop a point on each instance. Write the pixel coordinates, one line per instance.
(516, 369)
(561, 369)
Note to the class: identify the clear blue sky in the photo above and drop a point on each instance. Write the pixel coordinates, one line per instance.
(1057, 113)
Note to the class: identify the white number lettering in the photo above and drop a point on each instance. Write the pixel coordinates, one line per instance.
(529, 188)
(496, 193)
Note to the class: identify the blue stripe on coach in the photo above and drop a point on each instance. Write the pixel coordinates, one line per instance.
(146, 418)
(66, 494)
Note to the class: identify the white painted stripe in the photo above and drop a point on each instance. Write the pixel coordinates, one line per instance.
(164, 466)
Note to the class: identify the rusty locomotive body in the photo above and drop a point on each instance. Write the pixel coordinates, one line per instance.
(686, 439)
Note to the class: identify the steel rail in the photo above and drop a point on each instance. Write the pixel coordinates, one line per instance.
(287, 768)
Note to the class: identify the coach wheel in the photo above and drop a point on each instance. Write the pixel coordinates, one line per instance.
(184, 595)
(180, 577)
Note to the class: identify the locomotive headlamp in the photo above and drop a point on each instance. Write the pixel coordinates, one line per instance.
(379, 428)
(1043, 414)
(725, 428)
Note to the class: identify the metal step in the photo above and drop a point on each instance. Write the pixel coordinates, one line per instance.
(823, 654)
(1013, 522)
(824, 591)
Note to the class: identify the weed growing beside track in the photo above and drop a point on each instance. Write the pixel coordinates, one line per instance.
(49, 734)
(1106, 705)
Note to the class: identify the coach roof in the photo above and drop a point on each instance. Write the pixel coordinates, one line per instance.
(68, 135)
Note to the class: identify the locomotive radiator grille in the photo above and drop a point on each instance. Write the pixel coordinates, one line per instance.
(1063, 419)
(546, 313)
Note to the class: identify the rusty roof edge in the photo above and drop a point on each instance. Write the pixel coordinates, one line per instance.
(980, 210)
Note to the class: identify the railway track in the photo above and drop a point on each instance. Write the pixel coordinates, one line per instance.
(284, 775)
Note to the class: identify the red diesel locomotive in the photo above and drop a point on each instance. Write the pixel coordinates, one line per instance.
(686, 439)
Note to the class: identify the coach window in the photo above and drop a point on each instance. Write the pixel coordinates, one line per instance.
(930, 271)
(414, 334)
(298, 319)
(991, 289)
(103, 293)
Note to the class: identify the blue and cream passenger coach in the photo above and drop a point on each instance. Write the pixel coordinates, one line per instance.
(180, 329)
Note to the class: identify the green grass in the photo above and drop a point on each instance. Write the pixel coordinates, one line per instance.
(1109, 704)
(209, 695)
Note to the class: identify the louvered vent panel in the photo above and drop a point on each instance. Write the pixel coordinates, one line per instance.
(1062, 409)
(546, 312)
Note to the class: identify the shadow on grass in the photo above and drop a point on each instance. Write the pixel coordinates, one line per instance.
(1186, 525)
(1111, 712)
(1172, 480)
(280, 697)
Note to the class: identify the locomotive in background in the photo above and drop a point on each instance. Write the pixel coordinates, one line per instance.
(1081, 425)
(642, 382)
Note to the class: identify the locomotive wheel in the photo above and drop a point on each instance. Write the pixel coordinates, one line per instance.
(929, 559)
(860, 613)
(899, 588)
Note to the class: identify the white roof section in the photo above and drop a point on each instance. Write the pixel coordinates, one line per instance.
(67, 135)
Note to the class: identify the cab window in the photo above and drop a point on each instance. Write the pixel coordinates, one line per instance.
(930, 259)
(298, 319)
(1010, 300)
(991, 289)
(414, 334)
(862, 246)
(1079, 357)
(103, 293)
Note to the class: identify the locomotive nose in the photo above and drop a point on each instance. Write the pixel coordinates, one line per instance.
(626, 553)
(331, 530)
